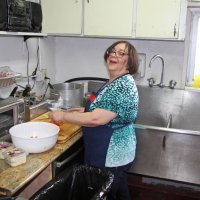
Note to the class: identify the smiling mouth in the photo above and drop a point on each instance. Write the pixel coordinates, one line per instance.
(113, 61)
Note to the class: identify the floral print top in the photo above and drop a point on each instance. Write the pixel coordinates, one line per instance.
(120, 96)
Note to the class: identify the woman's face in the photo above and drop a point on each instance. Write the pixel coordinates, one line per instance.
(117, 61)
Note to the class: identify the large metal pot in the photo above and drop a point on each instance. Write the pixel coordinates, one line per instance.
(70, 93)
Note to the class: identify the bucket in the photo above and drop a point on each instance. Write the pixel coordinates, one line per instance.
(70, 93)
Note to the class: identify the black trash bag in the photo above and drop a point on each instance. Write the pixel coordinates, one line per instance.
(83, 183)
(57, 188)
(90, 183)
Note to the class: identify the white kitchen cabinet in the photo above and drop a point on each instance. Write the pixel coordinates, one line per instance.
(108, 18)
(61, 16)
(160, 19)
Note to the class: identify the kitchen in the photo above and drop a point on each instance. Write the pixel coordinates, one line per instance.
(68, 53)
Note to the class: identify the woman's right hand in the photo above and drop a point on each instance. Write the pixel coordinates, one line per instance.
(56, 116)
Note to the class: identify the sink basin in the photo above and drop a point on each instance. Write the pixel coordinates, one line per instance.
(158, 105)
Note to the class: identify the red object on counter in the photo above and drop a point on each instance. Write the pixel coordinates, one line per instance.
(58, 123)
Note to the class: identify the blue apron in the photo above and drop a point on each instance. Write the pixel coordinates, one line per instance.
(96, 142)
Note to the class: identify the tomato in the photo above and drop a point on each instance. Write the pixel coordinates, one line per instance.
(57, 123)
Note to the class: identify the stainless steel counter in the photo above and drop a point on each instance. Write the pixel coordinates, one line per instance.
(168, 154)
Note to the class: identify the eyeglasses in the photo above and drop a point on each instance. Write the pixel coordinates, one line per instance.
(118, 54)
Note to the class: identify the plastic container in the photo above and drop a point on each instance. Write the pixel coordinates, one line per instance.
(196, 81)
(83, 182)
(6, 91)
(15, 156)
(3, 147)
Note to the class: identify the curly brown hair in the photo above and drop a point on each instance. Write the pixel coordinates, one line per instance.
(133, 63)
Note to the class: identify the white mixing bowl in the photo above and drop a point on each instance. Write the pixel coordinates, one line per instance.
(34, 137)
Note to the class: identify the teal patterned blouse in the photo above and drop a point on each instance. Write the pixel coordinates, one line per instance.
(121, 97)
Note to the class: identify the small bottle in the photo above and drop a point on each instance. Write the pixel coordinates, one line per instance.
(196, 81)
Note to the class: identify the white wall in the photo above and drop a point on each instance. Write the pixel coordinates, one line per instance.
(77, 57)
(69, 57)
(14, 53)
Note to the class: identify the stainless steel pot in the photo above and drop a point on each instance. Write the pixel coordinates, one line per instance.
(70, 93)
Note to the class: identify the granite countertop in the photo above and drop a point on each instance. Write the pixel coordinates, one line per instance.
(13, 179)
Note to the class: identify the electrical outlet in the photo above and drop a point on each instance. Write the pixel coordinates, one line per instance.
(43, 73)
(38, 76)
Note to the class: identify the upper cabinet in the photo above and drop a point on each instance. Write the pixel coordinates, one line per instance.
(160, 19)
(108, 18)
(62, 16)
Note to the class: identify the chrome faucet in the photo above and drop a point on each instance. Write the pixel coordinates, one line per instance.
(169, 123)
(162, 72)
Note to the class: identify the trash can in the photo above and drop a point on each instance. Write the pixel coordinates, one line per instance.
(83, 183)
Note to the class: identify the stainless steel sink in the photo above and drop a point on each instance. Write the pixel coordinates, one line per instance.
(164, 107)
(168, 135)
(167, 154)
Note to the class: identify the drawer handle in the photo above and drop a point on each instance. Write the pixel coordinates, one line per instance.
(60, 164)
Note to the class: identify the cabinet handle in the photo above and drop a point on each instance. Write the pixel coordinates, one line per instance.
(174, 30)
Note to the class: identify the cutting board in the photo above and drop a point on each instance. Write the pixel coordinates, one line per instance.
(67, 130)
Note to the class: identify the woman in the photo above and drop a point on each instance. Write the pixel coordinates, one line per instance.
(108, 118)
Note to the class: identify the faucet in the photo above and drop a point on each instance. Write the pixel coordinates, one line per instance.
(172, 84)
(162, 72)
(169, 122)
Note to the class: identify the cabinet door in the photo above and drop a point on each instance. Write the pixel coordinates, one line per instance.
(61, 16)
(158, 19)
(148, 152)
(108, 17)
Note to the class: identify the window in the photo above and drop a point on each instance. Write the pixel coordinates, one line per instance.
(197, 53)
(194, 46)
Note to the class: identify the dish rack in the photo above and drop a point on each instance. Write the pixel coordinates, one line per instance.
(7, 76)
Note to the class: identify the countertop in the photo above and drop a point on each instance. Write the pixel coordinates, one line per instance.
(12, 179)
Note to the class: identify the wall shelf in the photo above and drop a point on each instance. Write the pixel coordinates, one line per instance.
(9, 33)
